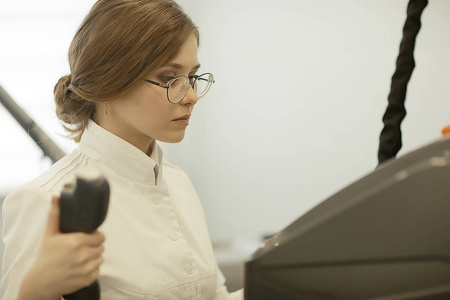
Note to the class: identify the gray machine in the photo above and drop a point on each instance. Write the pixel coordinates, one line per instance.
(386, 236)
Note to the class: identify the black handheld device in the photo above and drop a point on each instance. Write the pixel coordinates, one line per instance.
(84, 204)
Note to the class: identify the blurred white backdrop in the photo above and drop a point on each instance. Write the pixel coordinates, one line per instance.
(294, 116)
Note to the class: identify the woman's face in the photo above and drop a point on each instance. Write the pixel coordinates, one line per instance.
(145, 114)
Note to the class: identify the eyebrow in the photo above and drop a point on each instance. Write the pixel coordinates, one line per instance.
(178, 66)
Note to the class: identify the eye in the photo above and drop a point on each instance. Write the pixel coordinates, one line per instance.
(192, 77)
(166, 78)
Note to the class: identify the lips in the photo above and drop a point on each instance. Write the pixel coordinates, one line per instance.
(183, 118)
(182, 121)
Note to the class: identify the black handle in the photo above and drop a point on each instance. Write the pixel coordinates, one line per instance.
(84, 205)
(87, 293)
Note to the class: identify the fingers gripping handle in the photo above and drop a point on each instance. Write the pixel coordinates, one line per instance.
(84, 205)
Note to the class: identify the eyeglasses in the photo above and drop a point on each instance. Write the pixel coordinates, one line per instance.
(177, 87)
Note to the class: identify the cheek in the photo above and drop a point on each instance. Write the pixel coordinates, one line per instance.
(149, 112)
(144, 104)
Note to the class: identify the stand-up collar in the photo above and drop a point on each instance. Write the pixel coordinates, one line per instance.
(122, 157)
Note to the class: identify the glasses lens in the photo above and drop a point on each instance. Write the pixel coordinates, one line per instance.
(177, 89)
(203, 84)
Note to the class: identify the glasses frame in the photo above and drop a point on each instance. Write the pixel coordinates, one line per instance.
(192, 80)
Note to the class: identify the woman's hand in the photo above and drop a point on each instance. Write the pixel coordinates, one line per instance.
(66, 262)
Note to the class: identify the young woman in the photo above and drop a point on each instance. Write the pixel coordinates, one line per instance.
(134, 81)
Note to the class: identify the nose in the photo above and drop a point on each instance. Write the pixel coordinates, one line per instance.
(190, 98)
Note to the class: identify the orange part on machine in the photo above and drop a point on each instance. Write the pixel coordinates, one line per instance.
(446, 130)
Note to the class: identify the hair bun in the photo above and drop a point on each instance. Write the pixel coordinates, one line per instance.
(64, 83)
(72, 109)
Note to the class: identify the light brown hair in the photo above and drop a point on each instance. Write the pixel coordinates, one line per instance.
(118, 44)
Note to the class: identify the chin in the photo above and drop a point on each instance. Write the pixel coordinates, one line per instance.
(172, 139)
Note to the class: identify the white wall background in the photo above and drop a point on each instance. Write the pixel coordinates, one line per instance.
(294, 116)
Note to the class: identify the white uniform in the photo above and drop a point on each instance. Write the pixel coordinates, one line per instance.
(157, 243)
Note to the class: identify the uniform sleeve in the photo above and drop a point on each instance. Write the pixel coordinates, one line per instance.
(222, 292)
(24, 216)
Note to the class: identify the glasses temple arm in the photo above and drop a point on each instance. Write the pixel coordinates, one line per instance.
(156, 83)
